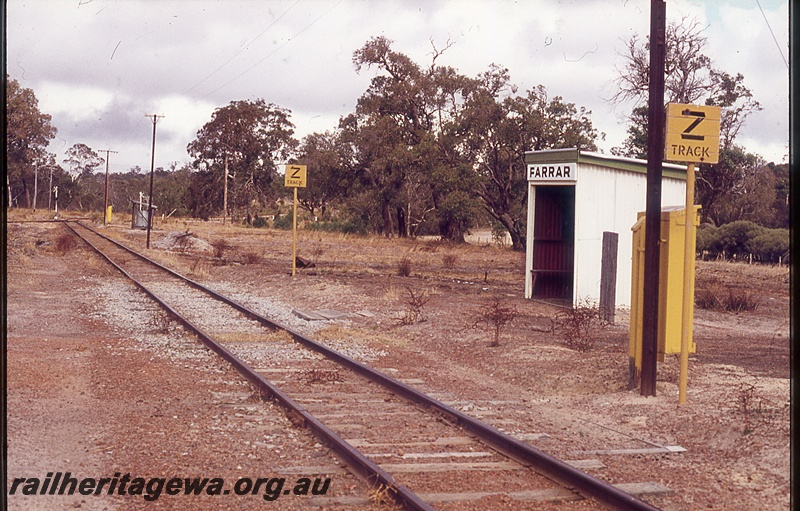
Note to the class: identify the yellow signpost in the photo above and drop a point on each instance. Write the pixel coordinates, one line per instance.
(692, 136)
(692, 133)
(295, 177)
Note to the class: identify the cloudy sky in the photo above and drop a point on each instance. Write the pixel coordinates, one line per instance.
(99, 66)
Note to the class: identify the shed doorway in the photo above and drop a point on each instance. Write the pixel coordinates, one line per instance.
(554, 242)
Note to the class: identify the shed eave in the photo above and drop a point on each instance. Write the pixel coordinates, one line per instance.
(574, 154)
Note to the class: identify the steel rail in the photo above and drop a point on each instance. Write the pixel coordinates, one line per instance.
(355, 460)
(568, 476)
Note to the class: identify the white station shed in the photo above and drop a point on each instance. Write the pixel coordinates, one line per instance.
(574, 197)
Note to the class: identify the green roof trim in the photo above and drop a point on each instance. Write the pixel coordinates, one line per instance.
(614, 162)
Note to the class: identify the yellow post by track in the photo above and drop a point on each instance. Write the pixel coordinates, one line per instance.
(692, 136)
(688, 295)
(295, 177)
(294, 233)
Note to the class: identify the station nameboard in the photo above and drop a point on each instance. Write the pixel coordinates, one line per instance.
(295, 176)
(692, 133)
(553, 172)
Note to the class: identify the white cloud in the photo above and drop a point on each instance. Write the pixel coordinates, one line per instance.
(99, 67)
(79, 103)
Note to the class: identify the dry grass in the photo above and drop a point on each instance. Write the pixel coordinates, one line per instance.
(166, 258)
(344, 253)
(404, 267)
(200, 269)
(252, 258)
(220, 247)
(250, 337)
(339, 333)
(384, 497)
(65, 243)
(712, 294)
(391, 292)
(339, 253)
(449, 261)
(773, 277)
(325, 376)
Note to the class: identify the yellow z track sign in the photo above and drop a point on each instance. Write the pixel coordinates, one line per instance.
(295, 176)
(692, 133)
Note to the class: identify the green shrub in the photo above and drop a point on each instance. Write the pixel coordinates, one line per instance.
(706, 237)
(283, 223)
(743, 238)
(769, 245)
(732, 238)
(260, 221)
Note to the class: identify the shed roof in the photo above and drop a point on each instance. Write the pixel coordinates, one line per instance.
(576, 155)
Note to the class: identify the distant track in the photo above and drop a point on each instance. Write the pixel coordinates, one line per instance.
(308, 370)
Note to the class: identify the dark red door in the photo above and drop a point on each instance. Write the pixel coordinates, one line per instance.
(554, 242)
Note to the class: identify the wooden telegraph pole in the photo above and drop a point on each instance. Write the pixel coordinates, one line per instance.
(152, 170)
(105, 201)
(225, 192)
(655, 153)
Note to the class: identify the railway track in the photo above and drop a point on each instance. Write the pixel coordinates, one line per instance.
(436, 455)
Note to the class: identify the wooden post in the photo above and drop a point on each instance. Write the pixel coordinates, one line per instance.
(608, 276)
(655, 154)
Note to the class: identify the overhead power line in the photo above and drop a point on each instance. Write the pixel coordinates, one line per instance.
(780, 50)
(240, 51)
(273, 52)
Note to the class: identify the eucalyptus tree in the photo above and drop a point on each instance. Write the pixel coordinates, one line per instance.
(84, 190)
(82, 161)
(28, 132)
(249, 138)
(395, 135)
(497, 127)
(328, 178)
(690, 77)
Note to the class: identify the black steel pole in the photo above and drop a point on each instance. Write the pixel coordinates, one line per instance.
(655, 155)
(152, 170)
